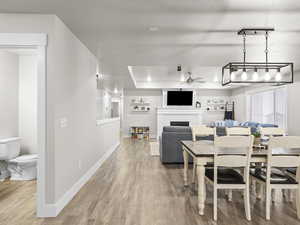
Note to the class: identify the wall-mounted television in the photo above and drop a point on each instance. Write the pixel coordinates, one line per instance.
(180, 98)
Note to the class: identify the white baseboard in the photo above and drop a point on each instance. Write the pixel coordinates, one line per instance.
(52, 210)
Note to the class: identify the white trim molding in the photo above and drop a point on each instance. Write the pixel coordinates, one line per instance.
(23, 39)
(106, 121)
(54, 209)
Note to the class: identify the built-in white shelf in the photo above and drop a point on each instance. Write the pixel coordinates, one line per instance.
(140, 103)
(140, 110)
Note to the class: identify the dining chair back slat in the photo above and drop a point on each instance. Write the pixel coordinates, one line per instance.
(202, 131)
(238, 131)
(272, 131)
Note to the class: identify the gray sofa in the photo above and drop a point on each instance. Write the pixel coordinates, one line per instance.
(169, 146)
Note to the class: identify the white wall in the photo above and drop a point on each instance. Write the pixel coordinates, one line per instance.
(28, 103)
(240, 104)
(72, 150)
(9, 80)
(141, 118)
(294, 107)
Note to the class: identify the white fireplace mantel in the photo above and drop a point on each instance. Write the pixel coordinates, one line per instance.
(166, 115)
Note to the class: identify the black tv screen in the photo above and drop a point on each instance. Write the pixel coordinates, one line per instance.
(180, 98)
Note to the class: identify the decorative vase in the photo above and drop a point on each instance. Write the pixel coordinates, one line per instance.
(257, 141)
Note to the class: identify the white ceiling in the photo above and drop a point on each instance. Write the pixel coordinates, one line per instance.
(194, 33)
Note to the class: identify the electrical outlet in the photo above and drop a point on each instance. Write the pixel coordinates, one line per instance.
(63, 122)
(79, 164)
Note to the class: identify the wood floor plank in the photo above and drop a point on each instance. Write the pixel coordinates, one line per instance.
(134, 188)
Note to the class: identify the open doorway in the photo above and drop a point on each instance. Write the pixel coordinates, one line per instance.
(23, 122)
(18, 130)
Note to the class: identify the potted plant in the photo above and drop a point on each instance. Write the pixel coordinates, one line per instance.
(257, 140)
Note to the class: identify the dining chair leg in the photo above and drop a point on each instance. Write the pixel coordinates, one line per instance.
(194, 172)
(247, 203)
(298, 203)
(268, 202)
(215, 203)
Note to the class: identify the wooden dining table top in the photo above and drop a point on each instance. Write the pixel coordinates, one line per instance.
(207, 148)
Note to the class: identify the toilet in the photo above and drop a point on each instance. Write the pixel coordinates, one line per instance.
(23, 167)
(18, 167)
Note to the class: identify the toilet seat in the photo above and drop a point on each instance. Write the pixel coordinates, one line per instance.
(25, 158)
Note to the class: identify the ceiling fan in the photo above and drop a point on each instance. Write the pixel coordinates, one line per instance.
(191, 80)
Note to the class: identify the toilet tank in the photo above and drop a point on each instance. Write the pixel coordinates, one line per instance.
(9, 148)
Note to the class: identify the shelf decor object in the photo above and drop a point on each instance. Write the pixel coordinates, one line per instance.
(276, 73)
(140, 133)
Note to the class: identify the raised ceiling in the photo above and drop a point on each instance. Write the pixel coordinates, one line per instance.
(165, 33)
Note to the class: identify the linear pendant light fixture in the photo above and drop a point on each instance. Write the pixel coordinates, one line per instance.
(257, 72)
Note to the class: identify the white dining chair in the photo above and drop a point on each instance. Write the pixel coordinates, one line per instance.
(201, 131)
(224, 174)
(236, 131)
(280, 161)
(270, 132)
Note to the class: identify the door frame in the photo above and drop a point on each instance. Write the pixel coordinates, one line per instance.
(37, 41)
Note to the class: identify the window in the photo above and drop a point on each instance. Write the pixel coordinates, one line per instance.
(269, 107)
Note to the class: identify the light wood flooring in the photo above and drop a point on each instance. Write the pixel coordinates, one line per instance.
(133, 188)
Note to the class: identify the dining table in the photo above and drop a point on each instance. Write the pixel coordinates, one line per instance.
(202, 153)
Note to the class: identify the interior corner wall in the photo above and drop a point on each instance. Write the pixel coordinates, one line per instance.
(9, 80)
(28, 103)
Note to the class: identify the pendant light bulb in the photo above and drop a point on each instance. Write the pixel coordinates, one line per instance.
(267, 75)
(232, 75)
(255, 75)
(278, 75)
(244, 75)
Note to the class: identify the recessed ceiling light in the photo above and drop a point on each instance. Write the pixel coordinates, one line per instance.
(149, 79)
(116, 91)
(153, 29)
